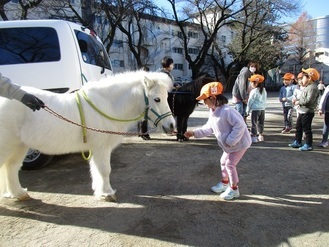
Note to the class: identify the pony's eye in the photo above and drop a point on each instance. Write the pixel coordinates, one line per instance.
(157, 100)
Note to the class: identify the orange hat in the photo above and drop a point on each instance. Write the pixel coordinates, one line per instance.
(256, 78)
(210, 89)
(288, 76)
(300, 75)
(313, 73)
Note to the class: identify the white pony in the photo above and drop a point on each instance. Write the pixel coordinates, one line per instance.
(116, 103)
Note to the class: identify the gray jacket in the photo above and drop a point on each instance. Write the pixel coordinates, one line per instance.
(9, 89)
(309, 99)
(240, 88)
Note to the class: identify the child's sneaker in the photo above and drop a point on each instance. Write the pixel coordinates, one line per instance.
(295, 144)
(306, 147)
(260, 138)
(219, 188)
(323, 145)
(254, 139)
(230, 194)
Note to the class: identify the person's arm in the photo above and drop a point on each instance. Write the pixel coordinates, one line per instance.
(250, 101)
(10, 90)
(13, 91)
(323, 98)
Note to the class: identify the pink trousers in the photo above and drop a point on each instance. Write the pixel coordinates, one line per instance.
(228, 163)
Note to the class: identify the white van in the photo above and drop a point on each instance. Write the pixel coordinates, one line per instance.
(54, 55)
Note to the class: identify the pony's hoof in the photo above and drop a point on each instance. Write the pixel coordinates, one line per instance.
(24, 197)
(111, 198)
(21, 197)
(108, 198)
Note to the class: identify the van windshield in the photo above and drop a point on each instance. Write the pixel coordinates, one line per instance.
(28, 45)
(92, 51)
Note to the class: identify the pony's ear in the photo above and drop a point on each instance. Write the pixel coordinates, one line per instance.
(148, 82)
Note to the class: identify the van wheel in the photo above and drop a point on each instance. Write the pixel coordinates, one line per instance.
(35, 160)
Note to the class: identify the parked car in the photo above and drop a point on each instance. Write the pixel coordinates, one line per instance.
(54, 55)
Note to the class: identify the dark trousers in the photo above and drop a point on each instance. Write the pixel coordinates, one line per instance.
(304, 124)
(257, 122)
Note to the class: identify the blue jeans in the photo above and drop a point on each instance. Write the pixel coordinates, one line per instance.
(241, 108)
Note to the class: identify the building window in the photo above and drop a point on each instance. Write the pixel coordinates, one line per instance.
(178, 66)
(193, 35)
(118, 63)
(193, 51)
(178, 50)
(118, 43)
(180, 34)
(223, 39)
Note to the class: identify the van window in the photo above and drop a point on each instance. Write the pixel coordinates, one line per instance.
(28, 45)
(92, 51)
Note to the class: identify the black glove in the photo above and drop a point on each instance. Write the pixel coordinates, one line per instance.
(31, 101)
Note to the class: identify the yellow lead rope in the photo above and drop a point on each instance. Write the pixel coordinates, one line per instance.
(83, 123)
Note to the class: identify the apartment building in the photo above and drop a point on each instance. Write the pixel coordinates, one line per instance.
(161, 37)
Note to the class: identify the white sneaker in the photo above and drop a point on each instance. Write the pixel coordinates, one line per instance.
(323, 144)
(260, 138)
(254, 139)
(230, 194)
(219, 188)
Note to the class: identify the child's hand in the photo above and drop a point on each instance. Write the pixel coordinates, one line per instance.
(189, 134)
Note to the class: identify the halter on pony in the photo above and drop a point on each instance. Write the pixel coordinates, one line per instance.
(144, 113)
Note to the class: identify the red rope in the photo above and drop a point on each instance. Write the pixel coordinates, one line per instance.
(46, 108)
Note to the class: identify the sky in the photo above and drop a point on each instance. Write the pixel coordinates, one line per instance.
(315, 8)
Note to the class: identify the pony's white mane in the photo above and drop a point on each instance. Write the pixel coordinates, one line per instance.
(134, 78)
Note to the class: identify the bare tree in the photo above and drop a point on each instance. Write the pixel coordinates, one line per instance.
(210, 16)
(257, 35)
(25, 6)
(253, 24)
(130, 17)
(2, 10)
(302, 39)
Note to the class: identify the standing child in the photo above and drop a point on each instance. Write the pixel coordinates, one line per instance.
(256, 105)
(321, 87)
(307, 105)
(298, 91)
(324, 109)
(285, 97)
(231, 133)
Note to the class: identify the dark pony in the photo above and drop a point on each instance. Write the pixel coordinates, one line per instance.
(182, 102)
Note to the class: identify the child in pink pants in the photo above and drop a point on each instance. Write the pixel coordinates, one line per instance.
(231, 133)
